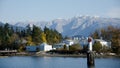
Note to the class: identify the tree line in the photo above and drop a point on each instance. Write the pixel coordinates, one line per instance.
(111, 34)
(17, 38)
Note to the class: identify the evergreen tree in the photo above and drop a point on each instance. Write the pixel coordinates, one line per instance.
(28, 30)
(43, 35)
(95, 35)
(65, 47)
(36, 35)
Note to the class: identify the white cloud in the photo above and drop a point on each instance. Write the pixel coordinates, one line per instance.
(114, 13)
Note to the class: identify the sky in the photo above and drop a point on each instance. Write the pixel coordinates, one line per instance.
(12, 11)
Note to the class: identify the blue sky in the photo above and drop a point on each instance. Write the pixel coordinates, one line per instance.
(46, 10)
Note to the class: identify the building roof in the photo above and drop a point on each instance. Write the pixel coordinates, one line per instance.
(100, 40)
(44, 44)
(60, 44)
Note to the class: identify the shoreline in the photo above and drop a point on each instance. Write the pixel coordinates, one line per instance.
(77, 56)
(74, 55)
(59, 55)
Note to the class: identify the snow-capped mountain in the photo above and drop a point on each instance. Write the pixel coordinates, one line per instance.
(1, 24)
(83, 25)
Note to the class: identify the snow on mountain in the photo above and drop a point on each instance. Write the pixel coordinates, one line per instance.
(83, 25)
(58, 24)
(1, 24)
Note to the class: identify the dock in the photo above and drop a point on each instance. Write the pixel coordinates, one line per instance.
(7, 52)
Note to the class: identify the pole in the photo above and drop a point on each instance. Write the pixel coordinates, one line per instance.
(90, 54)
(90, 59)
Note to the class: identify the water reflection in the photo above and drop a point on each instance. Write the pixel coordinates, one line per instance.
(56, 62)
(91, 66)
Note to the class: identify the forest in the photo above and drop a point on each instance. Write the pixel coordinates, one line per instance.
(16, 38)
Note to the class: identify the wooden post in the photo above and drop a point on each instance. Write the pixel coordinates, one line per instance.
(90, 54)
(90, 59)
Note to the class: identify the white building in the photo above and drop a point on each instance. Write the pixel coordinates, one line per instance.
(65, 42)
(45, 47)
(68, 42)
(102, 42)
(42, 47)
(78, 37)
(59, 45)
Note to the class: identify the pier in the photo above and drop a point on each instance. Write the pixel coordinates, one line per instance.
(7, 52)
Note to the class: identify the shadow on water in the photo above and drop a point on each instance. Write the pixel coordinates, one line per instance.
(90, 66)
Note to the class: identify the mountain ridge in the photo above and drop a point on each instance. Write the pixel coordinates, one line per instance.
(81, 25)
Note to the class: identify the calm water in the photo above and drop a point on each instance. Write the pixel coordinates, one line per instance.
(56, 62)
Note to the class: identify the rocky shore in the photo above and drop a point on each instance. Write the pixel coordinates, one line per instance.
(42, 54)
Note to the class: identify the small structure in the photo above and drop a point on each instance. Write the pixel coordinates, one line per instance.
(102, 42)
(68, 42)
(78, 37)
(42, 47)
(45, 47)
(31, 48)
(59, 45)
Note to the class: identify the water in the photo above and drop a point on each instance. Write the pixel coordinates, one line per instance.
(56, 62)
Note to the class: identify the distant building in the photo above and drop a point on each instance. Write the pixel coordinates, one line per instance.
(68, 42)
(42, 47)
(59, 45)
(103, 42)
(31, 48)
(78, 37)
(83, 42)
(45, 47)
